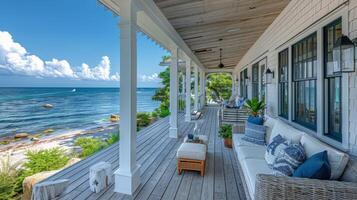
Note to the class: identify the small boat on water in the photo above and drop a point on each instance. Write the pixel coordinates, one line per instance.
(74, 90)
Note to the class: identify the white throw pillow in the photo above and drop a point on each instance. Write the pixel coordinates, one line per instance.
(274, 148)
(269, 123)
(337, 159)
(286, 131)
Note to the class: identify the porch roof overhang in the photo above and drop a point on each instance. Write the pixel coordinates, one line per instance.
(199, 28)
(154, 24)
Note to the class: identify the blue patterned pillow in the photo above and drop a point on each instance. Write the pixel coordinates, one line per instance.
(289, 159)
(277, 145)
(254, 133)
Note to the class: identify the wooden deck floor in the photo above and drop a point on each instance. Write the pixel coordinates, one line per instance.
(156, 154)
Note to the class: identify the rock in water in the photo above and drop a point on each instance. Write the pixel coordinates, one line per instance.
(50, 130)
(21, 135)
(35, 139)
(30, 181)
(49, 189)
(114, 118)
(47, 105)
(100, 176)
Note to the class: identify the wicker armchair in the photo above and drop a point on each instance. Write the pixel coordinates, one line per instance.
(289, 188)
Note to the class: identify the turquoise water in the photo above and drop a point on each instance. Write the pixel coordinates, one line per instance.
(21, 109)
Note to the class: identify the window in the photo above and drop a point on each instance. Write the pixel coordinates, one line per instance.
(304, 81)
(283, 83)
(255, 81)
(332, 89)
(243, 83)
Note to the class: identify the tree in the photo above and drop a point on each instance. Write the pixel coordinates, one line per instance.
(163, 94)
(219, 87)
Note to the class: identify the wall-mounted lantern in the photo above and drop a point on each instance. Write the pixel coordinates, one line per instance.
(246, 80)
(269, 76)
(343, 55)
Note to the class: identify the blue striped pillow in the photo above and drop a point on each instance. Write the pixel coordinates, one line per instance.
(254, 133)
(289, 159)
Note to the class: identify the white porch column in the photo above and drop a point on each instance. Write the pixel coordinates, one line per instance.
(202, 88)
(127, 177)
(188, 90)
(234, 77)
(173, 93)
(196, 88)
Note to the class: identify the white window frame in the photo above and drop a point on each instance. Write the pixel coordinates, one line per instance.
(319, 133)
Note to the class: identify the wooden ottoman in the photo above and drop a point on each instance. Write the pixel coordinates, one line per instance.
(191, 156)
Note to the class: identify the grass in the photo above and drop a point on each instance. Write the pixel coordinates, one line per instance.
(113, 138)
(90, 145)
(8, 179)
(11, 176)
(44, 160)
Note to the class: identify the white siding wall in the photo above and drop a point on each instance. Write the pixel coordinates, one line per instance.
(299, 19)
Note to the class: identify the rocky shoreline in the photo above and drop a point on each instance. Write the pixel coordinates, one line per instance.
(17, 148)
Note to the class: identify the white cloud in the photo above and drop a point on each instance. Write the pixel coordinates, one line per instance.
(15, 59)
(150, 78)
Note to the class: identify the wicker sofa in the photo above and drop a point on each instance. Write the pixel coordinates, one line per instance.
(261, 183)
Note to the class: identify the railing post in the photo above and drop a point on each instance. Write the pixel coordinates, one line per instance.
(127, 177)
(173, 93)
(202, 88)
(188, 90)
(196, 88)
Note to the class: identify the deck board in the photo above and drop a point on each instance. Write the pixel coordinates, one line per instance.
(156, 153)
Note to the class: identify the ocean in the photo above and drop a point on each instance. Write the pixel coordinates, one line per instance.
(21, 109)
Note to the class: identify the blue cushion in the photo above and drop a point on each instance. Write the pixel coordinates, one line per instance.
(289, 159)
(256, 120)
(254, 133)
(277, 145)
(316, 167)
(240, 102)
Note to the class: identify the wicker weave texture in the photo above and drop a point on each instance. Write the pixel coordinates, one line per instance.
(269, 187)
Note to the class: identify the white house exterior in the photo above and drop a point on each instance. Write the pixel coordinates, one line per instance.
(298, 20)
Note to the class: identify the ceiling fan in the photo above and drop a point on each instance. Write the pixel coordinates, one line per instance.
(220, 65)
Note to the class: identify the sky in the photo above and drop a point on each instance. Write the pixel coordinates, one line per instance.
(67, 43)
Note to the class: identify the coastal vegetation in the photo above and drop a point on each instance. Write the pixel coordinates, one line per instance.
(12, 175)
(219, 87)
(8, 179)
(90, 145)
(163, 94)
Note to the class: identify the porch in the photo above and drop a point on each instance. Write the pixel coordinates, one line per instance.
(156, 153)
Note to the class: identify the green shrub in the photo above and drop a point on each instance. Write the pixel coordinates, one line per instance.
(90, 145)
(7, 187)
(154, 115)
(113, 138)
(225, 131)
(8, 179)
(164, 112)
(44, 160)
(143, 119)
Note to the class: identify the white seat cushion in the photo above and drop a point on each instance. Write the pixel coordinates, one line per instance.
(237, 141)
(269, 123)
(204, 138)
(246, 152)
(252, 167)
(286, 131)
(192, 151)
(337, 159)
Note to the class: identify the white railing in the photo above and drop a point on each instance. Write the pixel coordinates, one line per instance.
(181, 102)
